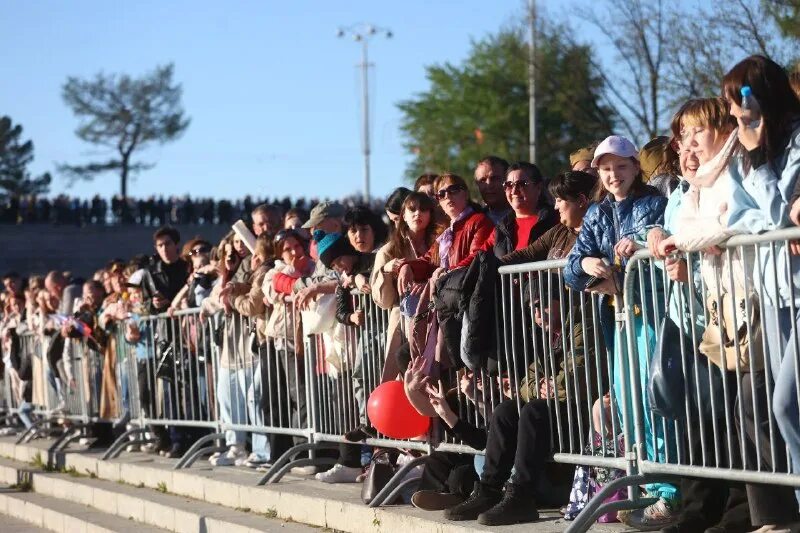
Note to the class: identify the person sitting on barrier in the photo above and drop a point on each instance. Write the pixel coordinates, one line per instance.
(415, 233)
(572, 191)
(354, 267)
(612, 231)
(520, 436)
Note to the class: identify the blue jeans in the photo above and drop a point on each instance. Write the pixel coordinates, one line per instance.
(259, 442)
(232, 408)
(781, 356)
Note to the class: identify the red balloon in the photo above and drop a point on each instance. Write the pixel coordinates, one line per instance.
(393, 415)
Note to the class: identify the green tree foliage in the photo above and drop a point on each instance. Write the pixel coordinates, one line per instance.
(786, 14)
(480, 106)
(15, 155)
(124, 115)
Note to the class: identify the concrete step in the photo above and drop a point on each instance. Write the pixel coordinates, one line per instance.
(12, 525)
(155, 508)
(53, 514)
(304, 500)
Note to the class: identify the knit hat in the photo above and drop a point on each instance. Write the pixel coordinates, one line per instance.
(331, 246)
(651, 156)
(582, 154)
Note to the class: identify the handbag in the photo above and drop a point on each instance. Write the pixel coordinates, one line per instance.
(728, 331)
(381, 470)
(667, 386)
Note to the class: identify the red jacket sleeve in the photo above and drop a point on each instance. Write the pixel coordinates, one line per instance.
(283, 283)
(483, 234)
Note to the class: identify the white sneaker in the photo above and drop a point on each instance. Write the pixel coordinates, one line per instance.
(132, 448)
(252, 461)
(230, 458)
(214, 456)
(339, 474)
(83, 441)
(304, 470)
(6, 432)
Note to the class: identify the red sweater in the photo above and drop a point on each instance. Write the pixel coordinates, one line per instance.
(469, 236)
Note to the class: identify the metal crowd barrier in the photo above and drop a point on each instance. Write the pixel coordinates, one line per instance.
(732, 340)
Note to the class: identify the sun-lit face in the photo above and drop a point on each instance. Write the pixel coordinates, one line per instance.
(570, 212)
(453, 198)
(522, 193)
(417, 219)
(292, 251)
(688, 161)
(361, 237)
(617, 174)
(489, 180)
(703, 141)
(167, 249)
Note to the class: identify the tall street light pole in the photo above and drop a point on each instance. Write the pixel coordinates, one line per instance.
(532, 81)
(363, 33)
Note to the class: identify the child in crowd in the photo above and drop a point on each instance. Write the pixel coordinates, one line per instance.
(613, 229)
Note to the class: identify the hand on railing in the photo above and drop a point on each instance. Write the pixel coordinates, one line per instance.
(676, 269)
(305, 296)
(357, 317)
(625, 247)
(654, 238)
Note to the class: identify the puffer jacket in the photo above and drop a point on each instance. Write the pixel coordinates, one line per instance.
(609, 221)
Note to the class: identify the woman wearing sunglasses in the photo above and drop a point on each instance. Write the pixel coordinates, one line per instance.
(467, 232)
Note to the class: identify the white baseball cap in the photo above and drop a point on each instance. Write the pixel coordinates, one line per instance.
(617, 145)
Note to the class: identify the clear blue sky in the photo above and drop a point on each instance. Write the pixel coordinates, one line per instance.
(273, 94)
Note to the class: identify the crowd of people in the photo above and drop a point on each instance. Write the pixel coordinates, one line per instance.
(728, 166)
(152, 211)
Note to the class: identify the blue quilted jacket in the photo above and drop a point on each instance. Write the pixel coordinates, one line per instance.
(608, 221)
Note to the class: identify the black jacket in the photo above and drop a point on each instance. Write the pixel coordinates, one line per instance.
(165, 279)
(344, 302)
(505, 233)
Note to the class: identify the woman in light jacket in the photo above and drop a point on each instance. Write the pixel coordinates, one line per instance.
(414, 235)
(769, 170)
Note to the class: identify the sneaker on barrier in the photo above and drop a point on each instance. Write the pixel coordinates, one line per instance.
(229, 459)
(339, 474)
(653, 517)
(150, 447)
(214, 456)
(132, 448)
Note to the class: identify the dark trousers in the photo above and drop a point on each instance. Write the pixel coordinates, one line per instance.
(449, 472)
(520, 441)
(293, 375)
(147, 400)
(769, 504)
(274, 401)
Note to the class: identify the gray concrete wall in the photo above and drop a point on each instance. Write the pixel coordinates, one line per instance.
(38, 248)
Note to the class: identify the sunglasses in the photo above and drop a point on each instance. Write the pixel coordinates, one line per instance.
(509, 185)
(198, 251)
(451, 190)
(286, 233)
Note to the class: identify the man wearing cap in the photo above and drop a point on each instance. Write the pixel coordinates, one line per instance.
(581, 160)
(327, 217)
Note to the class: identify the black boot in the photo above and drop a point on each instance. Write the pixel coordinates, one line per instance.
(483, 498)
(517, 507)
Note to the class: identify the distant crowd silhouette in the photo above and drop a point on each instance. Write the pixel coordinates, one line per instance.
(151, 211)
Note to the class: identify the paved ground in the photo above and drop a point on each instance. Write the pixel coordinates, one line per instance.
(12, 525)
